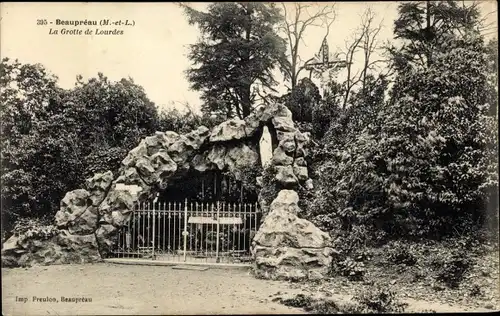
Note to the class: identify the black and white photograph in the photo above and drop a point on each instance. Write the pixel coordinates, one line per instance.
(246, 158)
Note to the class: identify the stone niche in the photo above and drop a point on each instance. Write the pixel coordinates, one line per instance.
(285, 246)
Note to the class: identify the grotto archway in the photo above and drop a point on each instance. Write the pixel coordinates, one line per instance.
(90, 218)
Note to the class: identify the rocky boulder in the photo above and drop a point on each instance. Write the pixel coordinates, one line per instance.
(288, 247)
(106, 236)
(294, 264)
(63, 248)
(98, 186)
(86, 223)
(232, 130)
(119, 201)
(240, 157)
(73, 205)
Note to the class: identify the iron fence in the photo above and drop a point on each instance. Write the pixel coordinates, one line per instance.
(218, 232)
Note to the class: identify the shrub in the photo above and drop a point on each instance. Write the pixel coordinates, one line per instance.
(352, 269)
(379, 300)
(327, 307)
(317, 305)
(270, 187)
(302, 100)
(353, 253)
(451, 270)
(299, 301)
(475, 290)
(371, 301)
(248, 176)
(34, 228)
(402, 253)
(425, 167)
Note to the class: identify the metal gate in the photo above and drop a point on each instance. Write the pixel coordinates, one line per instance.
(216, 232)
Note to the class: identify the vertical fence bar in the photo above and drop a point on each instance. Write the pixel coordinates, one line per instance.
(185, 233)
(233, 244)
(239, 227)
(164, 228)
(138, 231)
(174, 231)
(256, 223)
(129, 233)
(217, 234)
(133, 230)
(227, 239)
(158, 229)
(245, 227)
(196, 232)
(143, 224)
(154, 227)
(168, 236)
(206, 233)
(179, 228)
(139, 225)
(147, 227)
(223, 239)
(191, 228)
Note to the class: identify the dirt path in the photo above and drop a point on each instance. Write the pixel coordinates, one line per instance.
(146, 290)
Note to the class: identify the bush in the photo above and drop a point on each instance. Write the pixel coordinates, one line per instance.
(402, 253)
(373, 300)
(302, 100)
(379, 300)
(352, 269)
(270, 187)
(299, 301)
(451, 270)
(34, 228)
(425, 167)
(316, 305)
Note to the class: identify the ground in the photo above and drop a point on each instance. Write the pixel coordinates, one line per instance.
(133, 289)
(416, 284)
(146, 290)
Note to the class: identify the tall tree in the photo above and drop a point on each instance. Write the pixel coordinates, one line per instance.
(298, 17)
(237, 52)
(53, 138)
(364, 41)
(423, 25)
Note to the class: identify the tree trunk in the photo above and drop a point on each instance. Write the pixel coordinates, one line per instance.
(428, 34)
(245, 101)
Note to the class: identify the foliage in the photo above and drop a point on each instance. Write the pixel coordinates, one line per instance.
(328, 110)
(451, 270)
(248, 177)
(34, 228)
(372, 300)
(352, 254)
(424, 25)
(411, 172)
(236, 53)
(352, 269)
(299, 301)
(53, 138)
(26, 90)
(402, 253)
(174, 120)
(270, 187)
(379, 300)
(302, 100)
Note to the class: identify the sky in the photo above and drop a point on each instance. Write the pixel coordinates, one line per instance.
(154, 51)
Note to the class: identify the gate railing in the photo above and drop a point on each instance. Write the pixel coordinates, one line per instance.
(190, 231)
